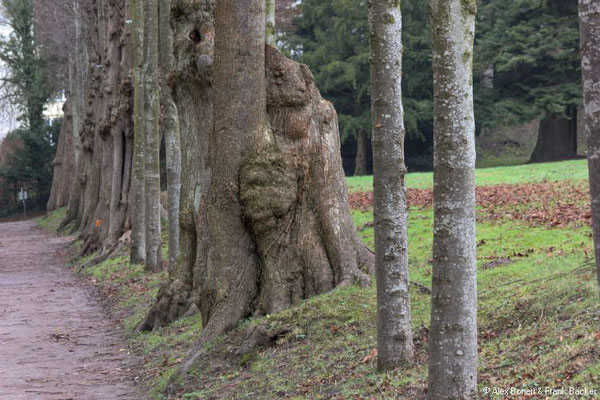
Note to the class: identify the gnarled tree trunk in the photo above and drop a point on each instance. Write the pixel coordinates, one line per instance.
(102, 145)
(264, 217)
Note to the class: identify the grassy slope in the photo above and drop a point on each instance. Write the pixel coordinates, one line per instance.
(538, 321)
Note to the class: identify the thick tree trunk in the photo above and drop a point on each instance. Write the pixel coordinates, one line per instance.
(138, 206)
(170, 128)
(589, 18)
(101, 147)
(271, 30)
(394, 328)
(557, 138)
(453, 331)
(152, 138)
(360, 161)
(64, 162)
(278, 194)
(92, 136)
(108, 129)
(120, 124)
(239, 116)
(78, 93)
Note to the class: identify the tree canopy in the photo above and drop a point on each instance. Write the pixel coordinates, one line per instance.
(532, 48)
(27, 86)
(331, 38)
(526, 49)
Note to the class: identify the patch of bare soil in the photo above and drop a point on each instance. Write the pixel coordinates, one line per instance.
(56, 342)
(551, 204)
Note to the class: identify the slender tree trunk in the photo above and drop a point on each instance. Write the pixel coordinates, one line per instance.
(170, 127)
(360, 161)
(589, 19)
(453, 331)
(271, 32)
(152, 138)
(138, 206)
(394, 328)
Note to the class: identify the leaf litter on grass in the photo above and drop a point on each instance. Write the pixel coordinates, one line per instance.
(551, 204)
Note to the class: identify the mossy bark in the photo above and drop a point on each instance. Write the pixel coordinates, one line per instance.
(138, 206)
(100, 99)
(152, 138)
(271, 29)
(394, 327)
(170, 128)
(264, 216)
(589, 17)
(453, 331)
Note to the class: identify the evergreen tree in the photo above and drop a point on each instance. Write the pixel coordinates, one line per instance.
(532, 47)
(332, 38)
(527, 66)
(28, 87)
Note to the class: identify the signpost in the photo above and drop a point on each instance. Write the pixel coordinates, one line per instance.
(23, 198)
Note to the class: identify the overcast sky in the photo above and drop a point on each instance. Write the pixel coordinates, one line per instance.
(7, 122)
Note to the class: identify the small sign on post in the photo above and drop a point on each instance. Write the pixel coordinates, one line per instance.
(23, 198)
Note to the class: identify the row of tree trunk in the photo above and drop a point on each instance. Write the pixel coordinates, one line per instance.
(93, 165)
(453, 330)
(262, 208)
(106, 169)
(263, 212)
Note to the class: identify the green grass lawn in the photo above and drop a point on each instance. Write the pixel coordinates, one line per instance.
(563, 170)
(539, 314)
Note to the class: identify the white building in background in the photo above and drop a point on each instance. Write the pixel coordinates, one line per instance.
(54, 110)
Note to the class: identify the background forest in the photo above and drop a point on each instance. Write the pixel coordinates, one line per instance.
(527, 82)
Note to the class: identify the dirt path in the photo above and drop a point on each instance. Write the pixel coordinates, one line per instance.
(55, 340)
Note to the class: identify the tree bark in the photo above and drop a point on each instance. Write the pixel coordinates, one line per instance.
(119, 123)
(64, 162)
(278, 192)
(557, 138)
(170, 127)
(239, 106)
(271, 29)
(394, 328)
(589, 18)
(453, 331)
(79, 94)
(152, 138)
(101, 148)
(360, 161)
(138, 209)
